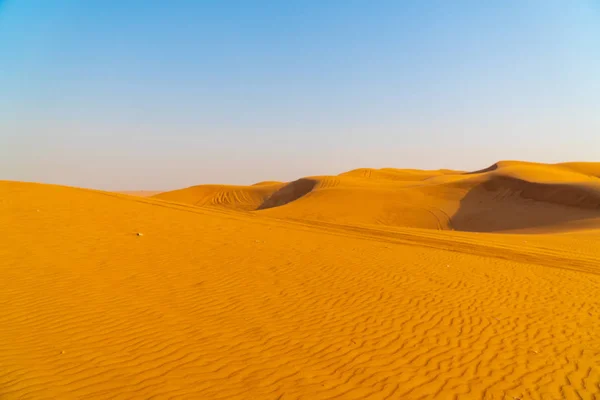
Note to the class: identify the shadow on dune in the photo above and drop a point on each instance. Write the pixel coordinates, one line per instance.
(290, 192)
(481, 171)
(505, 203)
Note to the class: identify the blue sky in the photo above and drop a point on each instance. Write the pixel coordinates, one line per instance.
(165, 94)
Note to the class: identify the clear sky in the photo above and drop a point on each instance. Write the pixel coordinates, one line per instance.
(149, 94)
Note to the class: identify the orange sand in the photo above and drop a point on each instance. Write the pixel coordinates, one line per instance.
(373, 284)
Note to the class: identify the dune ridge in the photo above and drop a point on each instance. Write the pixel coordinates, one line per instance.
(141, 193)
(374, 284)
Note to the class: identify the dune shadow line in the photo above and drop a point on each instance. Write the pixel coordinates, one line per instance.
(507, 203)
(290, 192)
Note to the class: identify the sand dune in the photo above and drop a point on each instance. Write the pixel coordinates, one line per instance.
(374, 284)
(507, 196)
(236, 197)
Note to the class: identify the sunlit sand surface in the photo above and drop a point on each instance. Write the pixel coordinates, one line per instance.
(373, 284)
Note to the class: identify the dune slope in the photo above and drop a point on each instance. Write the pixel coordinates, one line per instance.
(211, 303)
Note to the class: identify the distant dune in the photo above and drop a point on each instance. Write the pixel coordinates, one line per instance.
(374, 284)
(508, 196)
(226, 196)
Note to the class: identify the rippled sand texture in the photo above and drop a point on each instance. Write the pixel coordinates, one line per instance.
(374, 284)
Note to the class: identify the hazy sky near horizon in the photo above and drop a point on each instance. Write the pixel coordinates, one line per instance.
(159, 95)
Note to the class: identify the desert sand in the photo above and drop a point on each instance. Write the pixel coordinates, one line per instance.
(372, 284)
